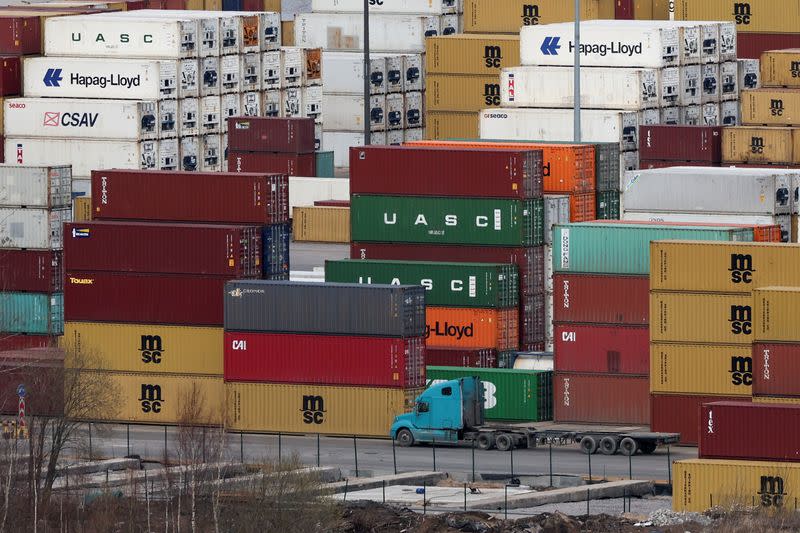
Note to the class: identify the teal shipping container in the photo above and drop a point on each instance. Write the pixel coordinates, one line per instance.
(325, 165)
(609, 248)
(430, 220)
(515, 395)
(482, 285)
(30, 312)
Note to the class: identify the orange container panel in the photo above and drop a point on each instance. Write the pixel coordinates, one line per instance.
(457, 327)
(582, 207)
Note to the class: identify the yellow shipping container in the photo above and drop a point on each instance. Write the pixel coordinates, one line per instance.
(753, 16)
(445, 92)
(146, 347)
(160, 398)
(321, 224)
(442, 125)
(776, 311)
(780, 68)
(508, 16)
(272, 5)
(82, 209)
(701, 369)
(776, 399)
(699, 484)
(701, 318)
(287, 33)
(471, 54)
(771, 107)
(330, 410)
(726, 266)
(744, 144)
(212, 5)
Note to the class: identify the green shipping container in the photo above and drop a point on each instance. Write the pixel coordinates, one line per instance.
(33, 313)
(609, 248)
(476, 221)
(324, 164)
(608, 205)
(447, 284)
(523, 395)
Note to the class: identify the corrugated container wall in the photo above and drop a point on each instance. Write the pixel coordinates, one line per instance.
(471, 54)
(262, 134)
(42, 372)
(321, 224)
(19, 341)
(701, 369)
(575, 398)
(701, 318)
(31, 270)
(776, 367)
(470, 328)
(507, 17)
(593, 348)
(775, 314)
(35, 186)
(680, 413)
(475, 358)
(599, 299)
(681, 143)
(779, 67)
(25, 312)
(33, 228)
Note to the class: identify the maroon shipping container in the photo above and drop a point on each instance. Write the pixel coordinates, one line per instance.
(681, 143)
(144, 298)
(646, 164)
(776, 369)
(529, 261)
(435, 171)
(752, 45)
(600, 299)
(291, 164)
(325, 359)
(10, 76)
(332, 203)
(623, 10)
(143, 247)
(42, 372)
(752, 431)
(601, 398)
(531, 319)
(483, 358)
(18, 341)
(679, 413)
(206, 197)
(602, 349)
(20, 35)
(31, 271)
(534, 347)
(266, 134)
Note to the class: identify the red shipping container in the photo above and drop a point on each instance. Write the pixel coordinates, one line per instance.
(678, 413)
(752, 45)
(10, 76)
(602, 349)
(776, 369)
(18, 341)
(486, 358)
(206, 197)
(291, 164)
(529, 261)
(531, 319)
(233, 251)
(325, 359)
(144, 298)
(647, 164)
(681, 143)
(332, 203)
(752, 431)
(266, 134)
(434, 171)
(599, 299)
(31, 271)
(601, 398)
(20, 35)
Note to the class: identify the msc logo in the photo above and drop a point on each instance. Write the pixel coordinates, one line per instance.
(741, 371)
(772, 491)
(550, 46)
(741, 13)
(313, 409)
(376, 2)
(151, 398)
(741, 268)
(776, 108)
(491, 94)
(152, 349)
(530, 15)
(493, 56)
(757, 145)
(741, 320)
(794, 68)
(52, 78)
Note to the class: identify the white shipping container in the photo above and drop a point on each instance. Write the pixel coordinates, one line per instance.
(251, 104)
(82, 187)
(692, 115)
(413, 134)
(81, 119)
(209, 76)
(605, 88)
(395, 109)
(168, 154)
(711, 50)
(729, 113)
(24, 186)
(304, 191)
(343, 72)
(317, 136)
(211, 152)
(189, 78)
(729, 81)
(122, 79)
(33, 228)
(292, 62)
(690, 85)
(231, 107)
(669, 86)
(269, 29)
(671, 115)
(340, 142)
(229, 67)
(395, 72)
(784, 221)
(413, 72)
(603, 44)
(208, 26)
(394, 137)
(210, 115)
(103, 35)
(272, 104)
(413, 7)
(271, 70)
(628, 161)
(292, 102)
(168, 119)
(189, 153)
(556, 211)
(710, 83)
(189, 116)
(727, 41)
(556, 125)
(414, 109)
(84, 155)
(312, 102)
(749, 74)
(649, 117)
(690, 41)
(224, 150)
(711, 116)
(346, 112)
(250, 72)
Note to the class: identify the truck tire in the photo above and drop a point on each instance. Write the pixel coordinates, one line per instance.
(628, 446)
(504, 442)
(404, 438)
(609, 445)
(588, 445)
(486, 441)
(648, 447)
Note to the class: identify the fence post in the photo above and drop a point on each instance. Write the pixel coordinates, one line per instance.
(434, 454)
(588, 497)
(384, 491)
(465, 497)
(355, 453)
(90, 441)
(473, 460)
(669, 467)
(630, 466)
(551, 463)
(511, 450)
(590, 466)
(241, 446)
(280, 450)
(346, 483)
(166, 451)
(424, 497)
(394, 457)
(317, 450)
(204, 444)
(128, 431)
(505, 500)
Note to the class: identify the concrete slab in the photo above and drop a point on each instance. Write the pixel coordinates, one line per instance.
(435, 496)
(409, 478)
(613, 489)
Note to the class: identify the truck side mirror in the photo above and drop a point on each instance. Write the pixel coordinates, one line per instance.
(422, 407)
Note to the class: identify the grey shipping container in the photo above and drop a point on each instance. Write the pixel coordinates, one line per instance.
(556, 211)
(326, 308)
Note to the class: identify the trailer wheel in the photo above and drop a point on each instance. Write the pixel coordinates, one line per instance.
(588, 445)
(485, 441)
(404, 438)
(609, 445)
(648, 447)
(628, 446)
(504, 442)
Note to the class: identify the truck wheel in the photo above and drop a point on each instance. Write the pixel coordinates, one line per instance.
(588, 445)
(628, 446)
(504, 442)
(486, 441)
(404, 438)
(609, 445)
(648, 447)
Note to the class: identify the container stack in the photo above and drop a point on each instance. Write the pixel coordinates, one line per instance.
(601, 316)
(776, 340)
(10, 85)
(327, 358)
(272, 145)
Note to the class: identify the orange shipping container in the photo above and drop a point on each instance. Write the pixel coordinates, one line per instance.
(456, 327)
(767, 233)
(566, 168)
(582, 207)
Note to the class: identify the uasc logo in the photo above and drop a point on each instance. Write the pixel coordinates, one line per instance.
(741, 320)
(313, 410)
(151, 398)
(151, 348)
(741, 268)
(741, 371)
(772, 491)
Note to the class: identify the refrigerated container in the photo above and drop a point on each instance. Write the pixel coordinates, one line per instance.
(343, 72)
(84, 155)
(413, 7)
(601, 299)
(701, 369)
(33, 228)
(31, 312)
(28, 186)
(345, 112)
(749, 74)
(301, 66)
(31, 271)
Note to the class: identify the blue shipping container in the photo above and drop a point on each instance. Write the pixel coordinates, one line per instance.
(29, 312)
(275, 243)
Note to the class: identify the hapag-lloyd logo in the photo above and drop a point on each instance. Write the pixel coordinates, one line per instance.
(445, 329)
(608, 48)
